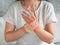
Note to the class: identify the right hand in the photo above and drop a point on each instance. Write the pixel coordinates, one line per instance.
(28, 28)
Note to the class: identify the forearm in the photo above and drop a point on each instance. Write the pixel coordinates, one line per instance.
(12, 36)
(32, 19)
(44, 35)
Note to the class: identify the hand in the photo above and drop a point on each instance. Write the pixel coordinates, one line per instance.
(27, 28)
(30, 17)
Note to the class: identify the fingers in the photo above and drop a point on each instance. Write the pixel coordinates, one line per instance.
(31, 13)
(26, 18)
(26, 15)
(29, 16)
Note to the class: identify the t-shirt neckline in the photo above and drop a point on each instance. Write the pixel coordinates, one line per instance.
(36, 9)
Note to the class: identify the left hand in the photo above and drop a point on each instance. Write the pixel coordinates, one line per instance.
(30, 18)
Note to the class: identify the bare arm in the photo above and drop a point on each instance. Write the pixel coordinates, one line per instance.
(46, 35)
(11, 34)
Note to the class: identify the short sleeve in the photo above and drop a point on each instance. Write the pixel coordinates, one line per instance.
(50, 14)
(2, 36)
(9, 16)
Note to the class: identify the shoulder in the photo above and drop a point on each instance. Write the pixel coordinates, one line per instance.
(47, 4)
(15, 4)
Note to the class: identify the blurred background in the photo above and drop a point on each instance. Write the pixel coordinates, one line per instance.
(4, 5)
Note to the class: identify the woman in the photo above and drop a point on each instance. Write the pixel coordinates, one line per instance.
(30, 22)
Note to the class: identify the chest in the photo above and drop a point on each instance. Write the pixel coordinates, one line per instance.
(19, 21)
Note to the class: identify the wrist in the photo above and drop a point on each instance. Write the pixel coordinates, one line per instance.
(24, 30)
(31, 21)
(34, 24)
(36, 28)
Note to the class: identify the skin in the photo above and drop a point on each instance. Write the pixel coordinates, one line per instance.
(46, 34)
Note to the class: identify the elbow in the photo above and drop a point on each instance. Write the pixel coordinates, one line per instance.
(7, 38)
(49, 41)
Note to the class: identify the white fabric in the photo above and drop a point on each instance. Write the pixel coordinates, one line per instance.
(2, 36)
(44, 43)
(45, 16)
(2, 23)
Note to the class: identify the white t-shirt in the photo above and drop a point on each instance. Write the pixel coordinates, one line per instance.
(45, 14)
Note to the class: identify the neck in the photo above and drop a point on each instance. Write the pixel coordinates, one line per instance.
(30, 4)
